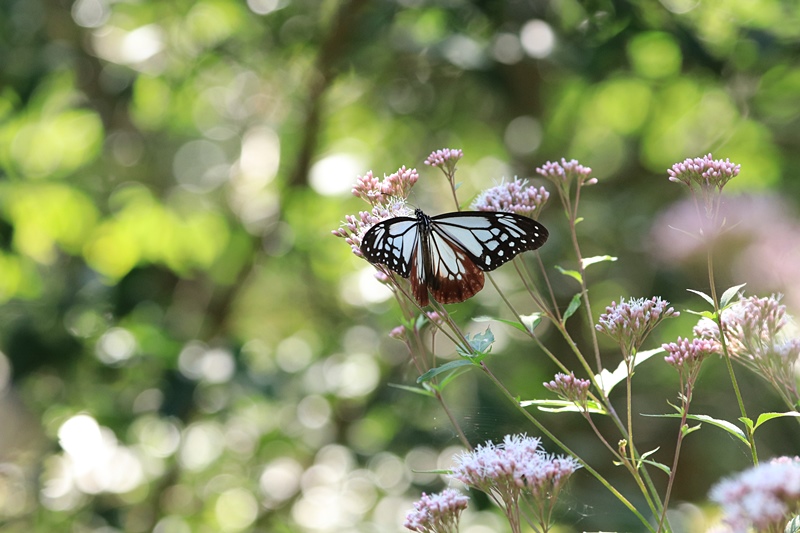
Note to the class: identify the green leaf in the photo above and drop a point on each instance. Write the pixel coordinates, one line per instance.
(481, 343)
(578, 220)
(417, 390)
(728, 295)
(596, 259)
(703, 295)
(722, 424)
(571, 273)
(607, 380)
(529, 322)
(706, 314)
(658, 465)
(764, 417)
(748, 423)
(433, 372)
(793, 526)
(686, 429)
(562, 406)
(572, 307)
(645, 455)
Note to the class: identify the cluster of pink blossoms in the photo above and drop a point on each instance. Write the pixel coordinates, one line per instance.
(570, 388)
(764, 497)
(687, 354)
(516, 468)
(437, 513)
(704, 171)
(564, 172)
(630, 322)
(755, 337)
(512, 197)
(375, 191)
(446, 158)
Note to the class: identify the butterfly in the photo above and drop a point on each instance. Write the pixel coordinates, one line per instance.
(447, 254)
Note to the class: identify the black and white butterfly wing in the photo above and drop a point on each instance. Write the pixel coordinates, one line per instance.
(447, 254)
(490, 238)
(393, 243)
(452, 276)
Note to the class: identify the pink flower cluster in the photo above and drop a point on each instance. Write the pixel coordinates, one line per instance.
(755, 337)
(375, 191)
(446, 158)
(564, 172)
(512, 197)
(517, 466)
(704, 171)
(763, 497)
(437, 513)
(570, 388)
(630, 322)
(685, 353)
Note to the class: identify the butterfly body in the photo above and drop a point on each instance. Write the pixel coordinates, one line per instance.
(447, 254)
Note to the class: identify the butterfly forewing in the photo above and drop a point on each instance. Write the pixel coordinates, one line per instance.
(491, 239)
(447, 254)
(392, 243)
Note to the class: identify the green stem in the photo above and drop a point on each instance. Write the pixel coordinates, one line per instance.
(727, 357)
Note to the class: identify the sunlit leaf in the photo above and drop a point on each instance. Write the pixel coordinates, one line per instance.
(608, 380)
(703, 295)
(728, 295)
(588, 261)
(765, 417)
(573, 306)
(571, 273)
(433, 372)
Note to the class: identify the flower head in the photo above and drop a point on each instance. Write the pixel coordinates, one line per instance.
(755, 334)
(686, 356)
(446, 159)
(518, 467)
(512, 197)
(570, 388)
(704, 171)
(563, 173)
(630, 322)
(375, 191)
(765, 496)
(437, 513)
(710, 175)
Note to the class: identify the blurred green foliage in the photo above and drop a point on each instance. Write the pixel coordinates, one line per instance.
(186, 348)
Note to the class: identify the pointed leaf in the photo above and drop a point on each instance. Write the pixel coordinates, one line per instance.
(529, 322)
(596, 259)
(658, 465)
(433, 372)
(571, 273)
(482, 342)
(573, 306)
(723, 424)
(728, 295)
(703, 295)
(645, 455)
(685, 430)
(748, 423)
(417, 390)
(559, 406)
(705, 314)
(764, 417)
(607, 380)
